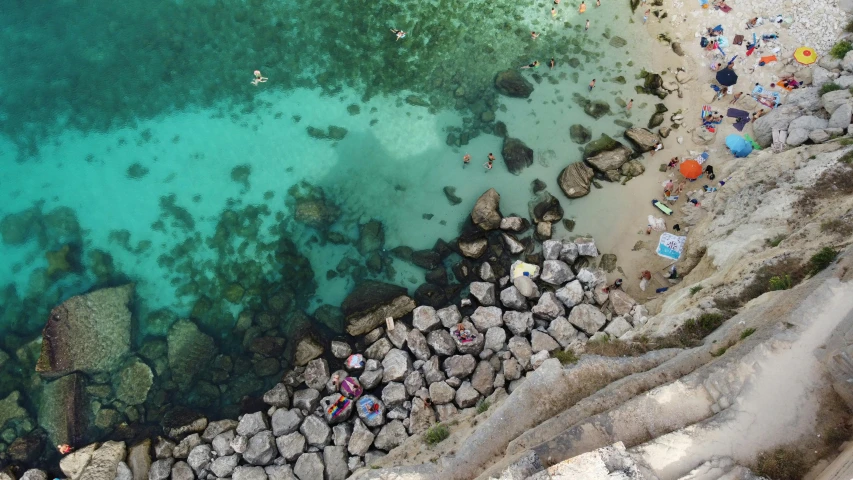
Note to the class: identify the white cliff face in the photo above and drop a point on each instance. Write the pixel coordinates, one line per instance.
(736, 228)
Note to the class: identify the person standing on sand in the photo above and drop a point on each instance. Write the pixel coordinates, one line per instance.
(466, 160)
(591, 84)
(582, 8)
(658, 146)
(586, 28)
(737, 97)
(629, 105)
(646, 15)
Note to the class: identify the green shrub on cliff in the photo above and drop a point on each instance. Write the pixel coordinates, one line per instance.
(566, 357)
(782, 282)
(822, 259)
(840, 49)
(781, 464)
(829, 87)
(436, 434)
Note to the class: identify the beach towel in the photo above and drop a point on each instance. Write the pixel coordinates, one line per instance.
(741, 116)
(722, 41)
(706, 110)
(702, 157)
(736, 113)
(657, 223)
(670, 246)
(749, 139)
(767, 59)
(738, 40)
(725, 8)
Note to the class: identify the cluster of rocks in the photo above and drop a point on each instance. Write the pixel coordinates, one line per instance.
(418, 373)
(809, 116)
(421, 365)
(607, 159)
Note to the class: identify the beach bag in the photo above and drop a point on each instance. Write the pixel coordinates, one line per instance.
(703, 42)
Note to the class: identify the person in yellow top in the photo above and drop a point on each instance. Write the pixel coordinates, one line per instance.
(582, 8)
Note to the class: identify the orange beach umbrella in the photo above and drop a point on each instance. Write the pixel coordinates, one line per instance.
(691, 169)
(805, 55)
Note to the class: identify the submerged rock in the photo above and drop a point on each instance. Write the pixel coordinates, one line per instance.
(512, 84)
(370, 302)
(450, 193)
(517, 155)
(133, 382)
(580, 134)
(62, 411)
(597, 109)
(88, 333)
(190, 351)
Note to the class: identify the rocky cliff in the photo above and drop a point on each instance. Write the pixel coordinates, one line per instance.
(768, 260)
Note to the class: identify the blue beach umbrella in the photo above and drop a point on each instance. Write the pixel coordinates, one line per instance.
(738, 145)
(727, 77)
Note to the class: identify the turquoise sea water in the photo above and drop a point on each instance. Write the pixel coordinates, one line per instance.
(135, 148)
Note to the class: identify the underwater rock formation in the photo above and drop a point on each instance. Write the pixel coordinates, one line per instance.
(367, 306)
(516, 154)
(88, 333)
(62, 411)
(512, 84)
(190, 352)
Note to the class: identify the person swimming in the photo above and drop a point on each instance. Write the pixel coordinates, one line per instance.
(399, 33)
(552, 63)
(535, 64)
(258, 78)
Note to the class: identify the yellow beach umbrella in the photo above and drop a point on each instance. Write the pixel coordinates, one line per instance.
(805, 55)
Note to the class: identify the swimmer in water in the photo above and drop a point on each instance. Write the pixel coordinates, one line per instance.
(586, 28)
(552, 63)
(553, 13)
(591, 84)
(535, 64)
(534, 35)
(582, 8)
(466, 160)
(258, 78)
(399, 33)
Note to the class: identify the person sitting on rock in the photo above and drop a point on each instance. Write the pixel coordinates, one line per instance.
(462, 333)
(616, 284)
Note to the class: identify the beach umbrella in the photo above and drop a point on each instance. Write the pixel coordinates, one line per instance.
(739, 146)
(805, 55)
(690, 169)
(351, 387)
(727, 77)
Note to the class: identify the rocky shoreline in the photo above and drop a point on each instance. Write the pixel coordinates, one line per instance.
(516, 311)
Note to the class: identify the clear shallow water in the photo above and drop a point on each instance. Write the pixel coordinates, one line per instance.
(131, 137)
